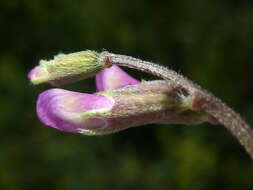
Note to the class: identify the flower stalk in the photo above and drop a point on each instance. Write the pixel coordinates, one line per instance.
(204, 101)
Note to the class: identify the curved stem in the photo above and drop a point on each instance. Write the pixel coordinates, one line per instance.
(202, 100)
(230, 119)
(151, 68)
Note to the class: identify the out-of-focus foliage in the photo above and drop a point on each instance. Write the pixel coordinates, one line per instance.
(210, 41)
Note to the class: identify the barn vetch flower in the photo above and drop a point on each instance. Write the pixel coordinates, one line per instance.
(121, 107)
(175, 100)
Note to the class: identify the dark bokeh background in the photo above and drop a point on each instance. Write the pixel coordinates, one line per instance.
(210, 41)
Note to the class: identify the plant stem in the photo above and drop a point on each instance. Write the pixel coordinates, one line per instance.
(202, 99)
(230, 119)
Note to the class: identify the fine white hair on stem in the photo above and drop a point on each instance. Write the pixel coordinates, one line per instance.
(203, 100)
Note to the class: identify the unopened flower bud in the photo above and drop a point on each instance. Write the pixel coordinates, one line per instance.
(66, 68)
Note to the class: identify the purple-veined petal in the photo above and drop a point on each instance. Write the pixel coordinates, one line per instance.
(113, 77)
(61, 109)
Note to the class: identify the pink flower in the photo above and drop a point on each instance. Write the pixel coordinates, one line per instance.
(81, 112)
(121, 101)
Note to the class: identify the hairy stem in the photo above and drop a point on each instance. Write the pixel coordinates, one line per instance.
(203, 100)
(230, 119)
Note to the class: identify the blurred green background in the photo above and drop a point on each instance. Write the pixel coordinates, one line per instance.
(210, 41)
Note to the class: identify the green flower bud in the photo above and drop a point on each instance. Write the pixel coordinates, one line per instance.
(66, 68)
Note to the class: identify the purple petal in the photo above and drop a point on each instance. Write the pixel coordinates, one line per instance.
(113, 77)
(61, 109)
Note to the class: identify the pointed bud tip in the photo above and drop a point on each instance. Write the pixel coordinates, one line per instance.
(37, 75)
